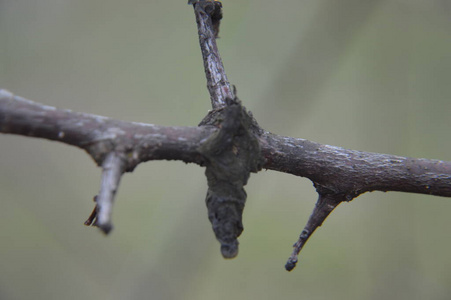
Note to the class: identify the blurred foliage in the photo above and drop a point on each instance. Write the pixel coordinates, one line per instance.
(368, 75)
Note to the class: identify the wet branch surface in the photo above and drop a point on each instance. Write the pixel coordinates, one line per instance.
(229, 144)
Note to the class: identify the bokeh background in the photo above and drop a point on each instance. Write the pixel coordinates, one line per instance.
(367, 75)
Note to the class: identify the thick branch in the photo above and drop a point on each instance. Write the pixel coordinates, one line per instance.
(100, 135)
(117, 146)
(339, 171)
(351, 172)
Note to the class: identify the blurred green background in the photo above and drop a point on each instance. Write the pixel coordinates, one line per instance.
(367, 75)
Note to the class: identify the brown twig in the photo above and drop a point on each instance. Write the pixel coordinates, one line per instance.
(324, 206)
(351, 172)
(112, 169)
(99, 135)
(208, 14)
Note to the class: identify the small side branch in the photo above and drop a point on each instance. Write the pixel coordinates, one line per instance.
(324, 206)
(112, 169)
(208, 15)
(341, 171)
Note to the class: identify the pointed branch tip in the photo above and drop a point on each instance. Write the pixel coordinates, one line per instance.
(324, 206)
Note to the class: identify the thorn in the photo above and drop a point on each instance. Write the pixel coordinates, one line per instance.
(324, 206)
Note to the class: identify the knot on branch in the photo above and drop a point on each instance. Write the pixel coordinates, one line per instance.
(231, 154)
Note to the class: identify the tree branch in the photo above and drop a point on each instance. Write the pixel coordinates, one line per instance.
(100, 135)
(324, 206)
(351, 172)
(208, 15)
(112, 169)
(230, 144)
(117, 146)
(339, 173)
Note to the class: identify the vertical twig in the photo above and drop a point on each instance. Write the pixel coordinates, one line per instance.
(112, 169)
(208, 15)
